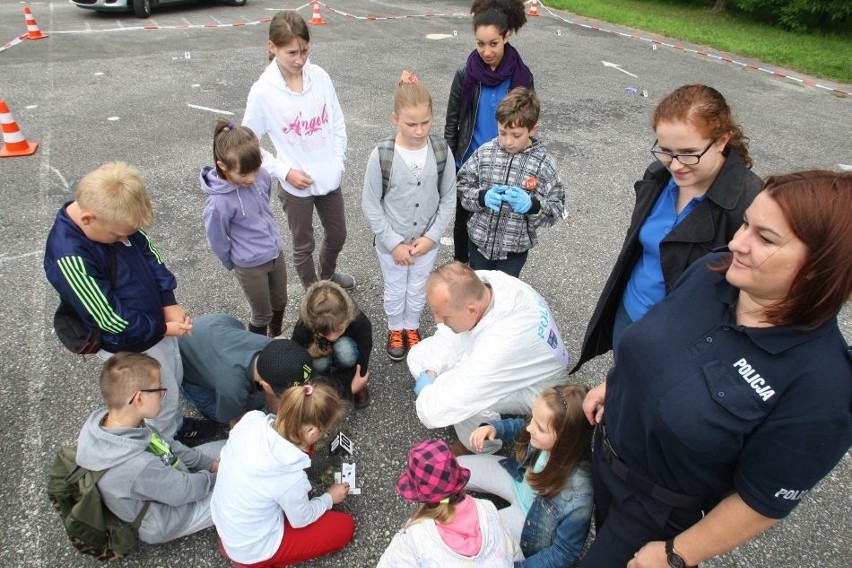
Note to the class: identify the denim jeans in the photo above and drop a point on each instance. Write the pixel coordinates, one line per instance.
(345, 356)
(202, 398)
(512, 265)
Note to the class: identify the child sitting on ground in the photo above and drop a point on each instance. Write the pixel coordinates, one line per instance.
(144, 466)
(511, 187)
(339, 338)
(261, 506)
(241, 230)
(548, 483)
(105, 266)
(449, 527)
(408, 201)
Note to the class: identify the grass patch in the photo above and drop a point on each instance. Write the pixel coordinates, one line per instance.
(821, 55)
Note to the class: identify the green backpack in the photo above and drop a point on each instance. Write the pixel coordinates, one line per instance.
(91, 526)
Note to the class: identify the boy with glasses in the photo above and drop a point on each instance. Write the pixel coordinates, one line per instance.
(142, 464)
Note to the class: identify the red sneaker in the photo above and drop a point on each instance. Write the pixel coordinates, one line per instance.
(412, 338)
(396, 345)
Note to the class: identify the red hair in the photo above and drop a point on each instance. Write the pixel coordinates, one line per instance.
(707, 110)
(818, 206)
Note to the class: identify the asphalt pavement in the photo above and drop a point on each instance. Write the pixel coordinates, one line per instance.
(101, 88)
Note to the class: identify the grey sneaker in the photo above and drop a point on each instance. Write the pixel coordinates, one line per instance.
(343, 280)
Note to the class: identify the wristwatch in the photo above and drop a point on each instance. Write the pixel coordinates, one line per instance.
(674, 559)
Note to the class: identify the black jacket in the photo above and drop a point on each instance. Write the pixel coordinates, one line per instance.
(710, 225)
(458, 128)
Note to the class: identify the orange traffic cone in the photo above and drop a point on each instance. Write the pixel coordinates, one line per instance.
(533, 8)
(14, 143)
(32, 27)
(316, 17)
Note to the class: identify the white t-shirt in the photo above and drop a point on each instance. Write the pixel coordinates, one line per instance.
(414, 159)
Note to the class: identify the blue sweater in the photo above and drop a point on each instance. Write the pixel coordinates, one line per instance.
(129, 312)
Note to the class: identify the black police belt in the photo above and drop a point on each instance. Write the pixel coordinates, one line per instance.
(644, 485)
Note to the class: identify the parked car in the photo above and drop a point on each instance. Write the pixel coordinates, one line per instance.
(142, 8)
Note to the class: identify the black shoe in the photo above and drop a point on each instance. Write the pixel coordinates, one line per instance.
(257, 329)
(274, 329)
(362, 398)
(195, 431)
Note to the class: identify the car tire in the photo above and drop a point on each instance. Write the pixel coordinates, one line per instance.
(235, 2)
(142, 8)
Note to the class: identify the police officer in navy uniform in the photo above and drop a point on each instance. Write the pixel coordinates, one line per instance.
(731, 398)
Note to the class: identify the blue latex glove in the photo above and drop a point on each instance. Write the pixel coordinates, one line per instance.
(423, 381)
(494, 197)
(518, 199)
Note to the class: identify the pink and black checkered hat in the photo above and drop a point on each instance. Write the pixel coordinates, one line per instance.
(433, 473)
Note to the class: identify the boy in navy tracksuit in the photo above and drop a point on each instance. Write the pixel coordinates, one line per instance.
(102, 262)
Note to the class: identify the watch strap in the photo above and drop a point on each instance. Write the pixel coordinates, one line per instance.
(673, 557)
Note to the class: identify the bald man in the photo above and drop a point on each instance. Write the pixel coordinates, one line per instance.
(497, 346)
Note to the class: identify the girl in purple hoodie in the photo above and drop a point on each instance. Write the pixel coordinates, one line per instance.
(241, 230)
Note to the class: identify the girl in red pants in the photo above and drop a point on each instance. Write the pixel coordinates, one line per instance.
(260, 506)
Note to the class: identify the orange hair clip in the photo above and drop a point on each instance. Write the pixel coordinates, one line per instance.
(407, 77)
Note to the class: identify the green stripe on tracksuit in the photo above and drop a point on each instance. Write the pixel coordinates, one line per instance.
(90, 295)
(152, 247)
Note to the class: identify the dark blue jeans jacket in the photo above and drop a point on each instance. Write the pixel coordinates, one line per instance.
(556, 528)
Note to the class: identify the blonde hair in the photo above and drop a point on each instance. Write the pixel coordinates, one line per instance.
(307, 405)
(116, 194)
(326, 307)
(125, 373)
(441, 513)
(411, 92)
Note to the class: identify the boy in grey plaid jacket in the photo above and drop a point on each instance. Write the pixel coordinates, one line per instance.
(511, 187)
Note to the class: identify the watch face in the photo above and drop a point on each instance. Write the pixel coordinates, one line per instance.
(675, 561)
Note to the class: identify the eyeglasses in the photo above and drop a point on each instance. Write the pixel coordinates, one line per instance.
(685, 159)
(161, 390)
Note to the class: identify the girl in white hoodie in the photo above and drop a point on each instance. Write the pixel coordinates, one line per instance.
(262, 509)
(295, 103)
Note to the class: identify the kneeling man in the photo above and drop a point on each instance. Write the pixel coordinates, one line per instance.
(497, 346)
(228, 370)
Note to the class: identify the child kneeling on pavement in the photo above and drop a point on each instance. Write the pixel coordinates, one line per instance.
(339, 338)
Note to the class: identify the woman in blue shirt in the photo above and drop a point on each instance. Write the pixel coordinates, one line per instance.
(491, 71)
(690, 201)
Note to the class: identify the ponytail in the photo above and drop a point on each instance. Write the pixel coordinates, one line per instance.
(306, 405)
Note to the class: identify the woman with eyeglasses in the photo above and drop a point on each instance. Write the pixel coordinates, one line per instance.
(690, 201)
